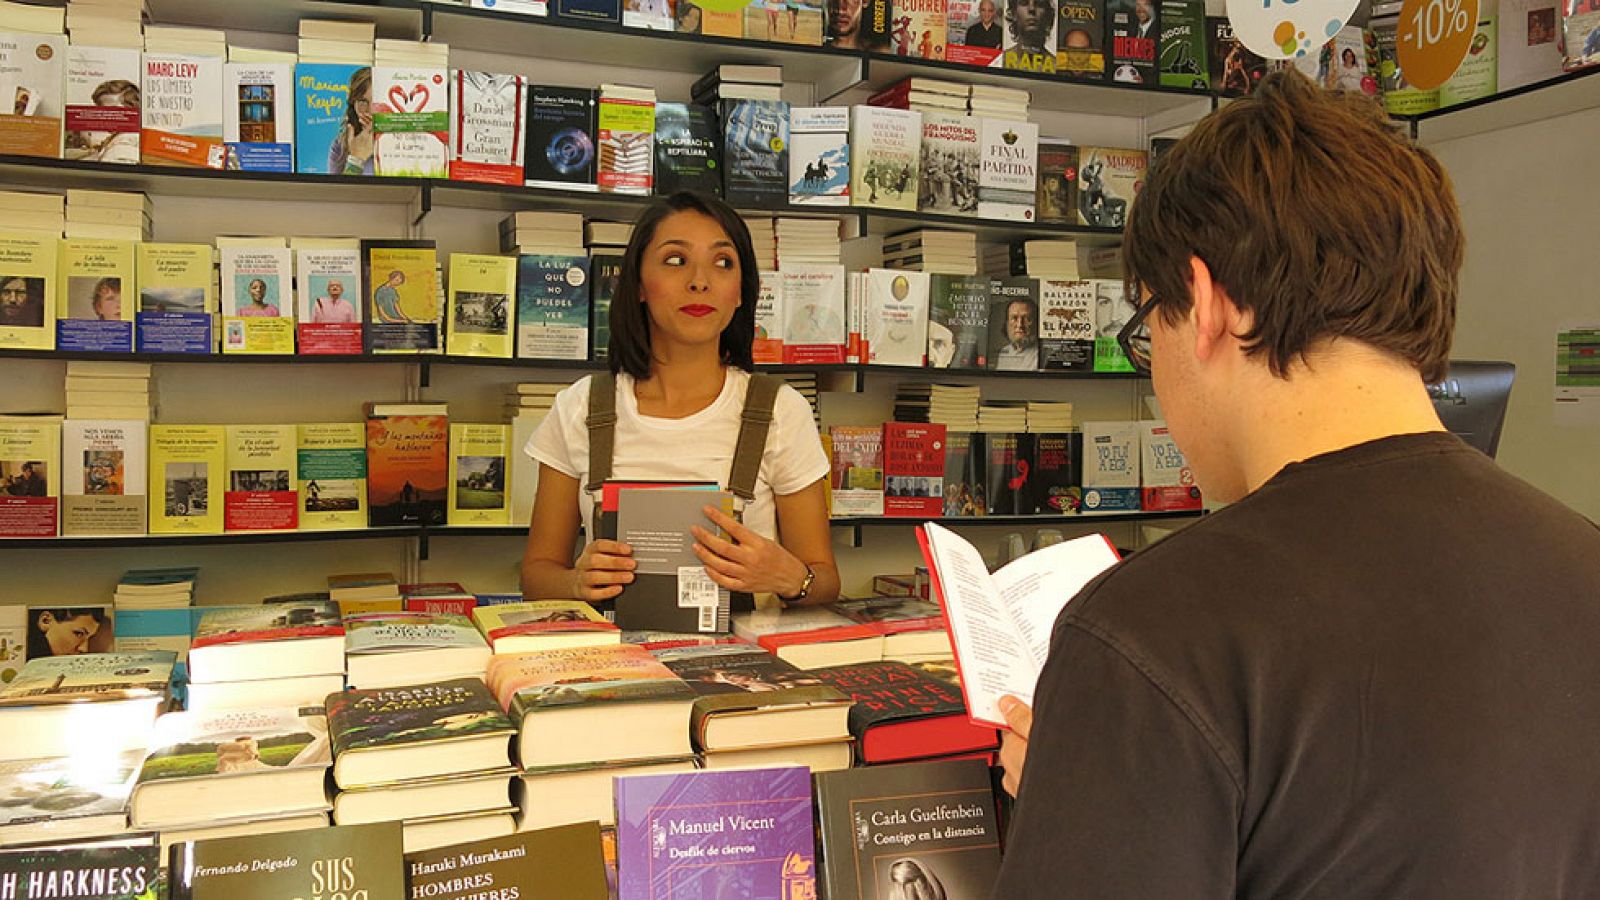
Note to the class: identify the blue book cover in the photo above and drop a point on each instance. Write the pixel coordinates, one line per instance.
(258, 117)
(755, 154)
(553, 307)
(741, 833)
(94, 336)
(332, 136)
(174, 332)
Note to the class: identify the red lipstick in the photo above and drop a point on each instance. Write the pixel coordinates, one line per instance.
(697, 310)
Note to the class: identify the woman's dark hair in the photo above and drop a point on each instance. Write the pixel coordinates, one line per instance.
(630, 323)
(38, 644)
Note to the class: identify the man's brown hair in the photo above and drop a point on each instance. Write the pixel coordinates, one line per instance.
(1316, 215)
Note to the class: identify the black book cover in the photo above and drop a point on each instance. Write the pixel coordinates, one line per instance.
(82, 873)
(755, 156)
(352, 861)
(606, 270)
(1007, 467)
(1057, 201)
(963, 474)
(650, 602)
(1055, 480)
(686, 149)
(1235, 70)
(1135, 27)
(958, 321)
(1013, 324)
(890, 691)
(925, 829)
(561, 137)
(1081, 40)
(590, 10)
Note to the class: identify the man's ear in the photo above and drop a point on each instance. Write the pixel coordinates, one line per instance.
(1215, 316)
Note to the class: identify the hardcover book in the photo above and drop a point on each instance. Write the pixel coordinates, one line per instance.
(54, 680)
(901, 713)
(918, 29)
(27, 292)
(1111, 465)
(1030, 38)
(913, 469)
(1057, 200)
(84, 872)
(411, 121)
(257, 306)
(950, 169)
(1529, 49)
(624, 135)
(258, 116)
(1008, 175)
(819, 156)
(104, 469)
(224, 634)
(1134, 27)
(349, 860)
(565, 861)
(61, 799)
(1183, 45)
(488, 127)
(687, 155)
(102, 104)
(897, 317)
(1066, 325)
(746, 697)
(540, 625)
(755, 153)
(187, 466)
(1108, 180)
(866, 29)
(812, 300)
(561, 138)
(331, 464)
(31, 66)
(1005, 472)
(478, 474)
(1013, 324)
(1580, 23)
(1055, 479)
(606, 271)
(480, 305)
(182, 112)
(261, 492)
(653, 14)
(328, 288)
(393, 649)
(408, 468)
(552, 307)
(931, 825)
(400, 285)
(958, 321)
(426, 715)
(177, 303)
(886, 145)
(1081, 40)
(90, 312)
(332, 137)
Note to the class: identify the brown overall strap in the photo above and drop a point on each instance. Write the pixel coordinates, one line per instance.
(754, 422)
(602, 426)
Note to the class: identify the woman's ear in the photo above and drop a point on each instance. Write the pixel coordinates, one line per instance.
(46, 621)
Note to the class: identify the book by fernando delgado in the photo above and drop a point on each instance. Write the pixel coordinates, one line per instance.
(177, 302)
(102, 104)
(487, 134)
(897, 317)
(565, 861)
(257, 306)
(426, 730)
(182, 115)
(755, 153)
(93, 287)
(352, 861)
(1066, 325)
(104, 470)
(819, 155)
(691, 834)
(187, 464)
(261, 494)
(408, 468)
(258, 116)
(30, 475)
(913, 469)
(930, 823)
(480, 305)
(949, 177)
(411, 121)
(885, 148)
(32, 67)
(552, 307)
(400, 287)
(331, 463)
(327, 289)
(1009, 171)
(686, 149)
(27, 292)
(958, 318)
(326, 131)
(812, 303)
(478, 474)
(561, 138)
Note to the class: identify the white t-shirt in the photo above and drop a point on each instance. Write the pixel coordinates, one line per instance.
(694, 448)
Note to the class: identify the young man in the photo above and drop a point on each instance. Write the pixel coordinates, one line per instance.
(1373, 674)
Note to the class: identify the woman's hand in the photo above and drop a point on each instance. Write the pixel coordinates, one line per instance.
(749, 562)
(601, 570)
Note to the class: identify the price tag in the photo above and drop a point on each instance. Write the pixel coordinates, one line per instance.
(695, 588)
(1432, 38)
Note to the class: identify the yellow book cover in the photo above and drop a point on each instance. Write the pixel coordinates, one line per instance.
(188, 465)
(95, 295)
(482, 289)
(177, 298)
(30, 476)
(332, 468)
(261, 491)
(400, 284)
(27, 291)
(257, 303)
(541, 625)
(478, 474)
(357, 607)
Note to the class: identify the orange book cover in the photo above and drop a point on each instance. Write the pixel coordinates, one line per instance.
(408, 468)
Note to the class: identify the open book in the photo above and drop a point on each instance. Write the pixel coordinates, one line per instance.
(1000, 624)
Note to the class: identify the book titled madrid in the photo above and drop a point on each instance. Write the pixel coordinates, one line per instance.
(819, 155)
(487, 127)
(553, 307)
(351, 861)
(411, 121)
(258, 116)
(755, 153)
(182, 122)
(1009, 170)
(328, 300)
(400, 288)
(102, 104)
(739, 833)
(885, 148)
(177, 303)
(92, 313)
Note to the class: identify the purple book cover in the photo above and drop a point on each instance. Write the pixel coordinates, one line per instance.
(743, 833)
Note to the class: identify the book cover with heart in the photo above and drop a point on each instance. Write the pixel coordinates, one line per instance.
(411, 121)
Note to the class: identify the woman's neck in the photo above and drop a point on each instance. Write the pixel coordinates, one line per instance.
(682, 382)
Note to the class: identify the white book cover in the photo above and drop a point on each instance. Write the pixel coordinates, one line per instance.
(411, 121)
(1008, 177)
(385, 632)
(488, 123)
(896, 317)
(258, 116)
(1530, 46)
(656, 15)
(31, 79)
(104, 471)
(521, 7)
(950, 151)
(767, 348)
(885, 150)
(524, 468)
(257, 307)
(1110, 465)
(328, 286)
(103, 104)
(812, 301)
(819, 155)
(13, 640)
(182, 97)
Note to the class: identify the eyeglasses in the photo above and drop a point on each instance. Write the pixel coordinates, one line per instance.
(1134, 338)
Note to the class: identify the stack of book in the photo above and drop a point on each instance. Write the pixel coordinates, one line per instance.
(954, 406)
(738, 82)
(999, 102)
(753, 709)
(57, 799)
(1049, 416)
(901, 714)
(106, 23)
(914, 629)
(107, 215)
(531, 398)
(764, 238)
(434, 757)
(154, 611)
(109, 390)
(807, 241)
(540, 625)
(438, 597)
(410, 54)
(362, 592)
(931, 250)
(528, 233)
(607, 236)
(238, 771)
(29, 213)
(527, 411)
(271, 655)
(1001, 416)
(924, 95)
(1040, 258)
(325, 41)
(255, 55)
(385, 650)
(170, 39)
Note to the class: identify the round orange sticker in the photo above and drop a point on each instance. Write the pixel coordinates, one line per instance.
(1433, 38)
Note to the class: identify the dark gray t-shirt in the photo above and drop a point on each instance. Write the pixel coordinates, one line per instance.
(1376, 676)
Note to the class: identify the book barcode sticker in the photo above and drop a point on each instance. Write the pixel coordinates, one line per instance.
(696, 589)
(708, 618)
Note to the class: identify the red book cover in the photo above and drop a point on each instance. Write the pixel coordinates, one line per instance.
(260, 494)
(408, 470)
(913, 469)
(902, 714)
(438, 597)
(29, 516)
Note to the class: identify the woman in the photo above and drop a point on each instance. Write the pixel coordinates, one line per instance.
(682, 321)
(107, 300)
(352, 151)
(258, 305)
(64, 632)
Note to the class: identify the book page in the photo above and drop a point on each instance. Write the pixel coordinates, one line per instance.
(1035, 588)
(994, 657)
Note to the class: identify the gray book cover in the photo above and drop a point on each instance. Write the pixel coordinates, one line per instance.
(670, 590)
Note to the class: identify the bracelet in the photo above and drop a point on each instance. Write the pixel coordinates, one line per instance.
(805, 586)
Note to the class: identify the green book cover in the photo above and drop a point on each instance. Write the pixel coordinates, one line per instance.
(427, 713)
(90, 676)
(1183, 44)
(354, 862)
(82, 873)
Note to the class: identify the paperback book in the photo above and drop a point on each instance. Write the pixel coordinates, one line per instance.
(104, 471)
(963, 474)
(400, 285)
(1111, 466)
(608, 11)
(950, 164)
(819, 156)
(1108, 179)
(561, 138)
(332, 136)
(90, 312)
(331, 464)
(553, 307)
(261, 492)
(624, 135)
(1183, 46)
(885, 145)
(488, 127)
(182, 111)
(857, 479)
(479, 311)
(352, 860)
(328, 288)
(1030, 38)
(257, 306)
(565, 861)
(1081, 41)
(1055, 480)
(606, 271)
(1006, 473)
(31, 66)
(1066, 325)
(974, 32)
(177, 308)
(918, 29)
(408, 469)
(27, 292)
(1167, 482)
(913, 469)
(1235, 70)
(478, 474)
(812, 300)
(1134, 27)
(1008, 174)
(958, 321)
(687, 155)
(411, 122)
(670, 590)
(896, 317)
(1057, 200)
(258, 116)
(187, 465)
(755, 142)
(767, 346)
(102, 104)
